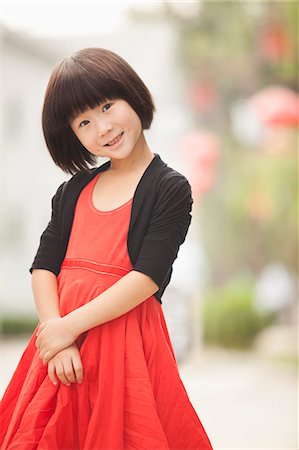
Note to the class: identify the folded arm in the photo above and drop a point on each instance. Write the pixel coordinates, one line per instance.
(124, 295)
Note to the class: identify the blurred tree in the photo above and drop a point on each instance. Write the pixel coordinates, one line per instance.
(229, 50)
(250, 219)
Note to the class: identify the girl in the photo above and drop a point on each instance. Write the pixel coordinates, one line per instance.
(99, 372)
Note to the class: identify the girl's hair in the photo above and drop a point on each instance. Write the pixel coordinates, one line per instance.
(84, 80)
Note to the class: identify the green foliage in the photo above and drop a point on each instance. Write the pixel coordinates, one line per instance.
(14, 325)
(229, 317)
(250, 217)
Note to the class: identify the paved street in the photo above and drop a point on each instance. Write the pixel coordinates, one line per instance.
(245, 401)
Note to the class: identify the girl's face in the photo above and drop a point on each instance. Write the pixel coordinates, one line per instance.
(99, 126)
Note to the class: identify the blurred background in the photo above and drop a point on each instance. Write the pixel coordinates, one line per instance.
(224, 77)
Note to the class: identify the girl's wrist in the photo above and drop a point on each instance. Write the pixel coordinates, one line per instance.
(72, 323)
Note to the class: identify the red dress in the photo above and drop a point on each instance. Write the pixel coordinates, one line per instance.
(132, 396)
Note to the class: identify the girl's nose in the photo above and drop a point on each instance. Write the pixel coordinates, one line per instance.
(103, 128)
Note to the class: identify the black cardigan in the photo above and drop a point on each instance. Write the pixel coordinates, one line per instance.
(160, 218)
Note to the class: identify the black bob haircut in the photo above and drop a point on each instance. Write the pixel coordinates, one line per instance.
(81, 81)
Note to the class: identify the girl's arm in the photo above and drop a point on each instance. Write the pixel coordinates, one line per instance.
(128, 292)
(58, 333)
(45, 291)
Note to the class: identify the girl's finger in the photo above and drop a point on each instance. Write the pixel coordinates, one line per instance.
(78, 368)
(69, 371)
(38, 341)
(60, 373)
(51, 373)
(47, 357)
(40, 327)
(49, 354)
(42, 357)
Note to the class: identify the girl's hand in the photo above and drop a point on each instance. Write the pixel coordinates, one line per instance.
(53, 336)
(67, 366)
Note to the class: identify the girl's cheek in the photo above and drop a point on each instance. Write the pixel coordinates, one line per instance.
(88, 137)
(85, 140)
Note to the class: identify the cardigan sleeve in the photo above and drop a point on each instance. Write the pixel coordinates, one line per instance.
(48, 253)
(167, 229)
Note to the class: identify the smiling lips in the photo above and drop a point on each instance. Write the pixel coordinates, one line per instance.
(114, 141)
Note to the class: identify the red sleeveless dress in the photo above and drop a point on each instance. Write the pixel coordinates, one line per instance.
(132, 396)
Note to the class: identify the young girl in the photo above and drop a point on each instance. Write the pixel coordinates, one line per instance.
(99, 372)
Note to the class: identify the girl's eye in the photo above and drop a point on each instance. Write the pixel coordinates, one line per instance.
(107, 105)
(82, 122)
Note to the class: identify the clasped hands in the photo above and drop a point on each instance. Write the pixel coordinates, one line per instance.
(53, 336)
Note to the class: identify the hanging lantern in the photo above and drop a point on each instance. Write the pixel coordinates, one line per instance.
(200, 150)
(276, 106)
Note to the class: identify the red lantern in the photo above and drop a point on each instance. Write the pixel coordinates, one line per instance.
(274, 42)
(275, 106)
(203, 96)
(200, 150)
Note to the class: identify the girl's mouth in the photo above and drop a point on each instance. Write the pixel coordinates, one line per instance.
(115, 141)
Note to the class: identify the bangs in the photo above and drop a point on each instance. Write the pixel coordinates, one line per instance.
(76, 92)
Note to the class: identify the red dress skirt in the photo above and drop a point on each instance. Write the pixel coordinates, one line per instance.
(132, 396)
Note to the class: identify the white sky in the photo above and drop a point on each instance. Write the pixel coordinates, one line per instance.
(43, 18)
